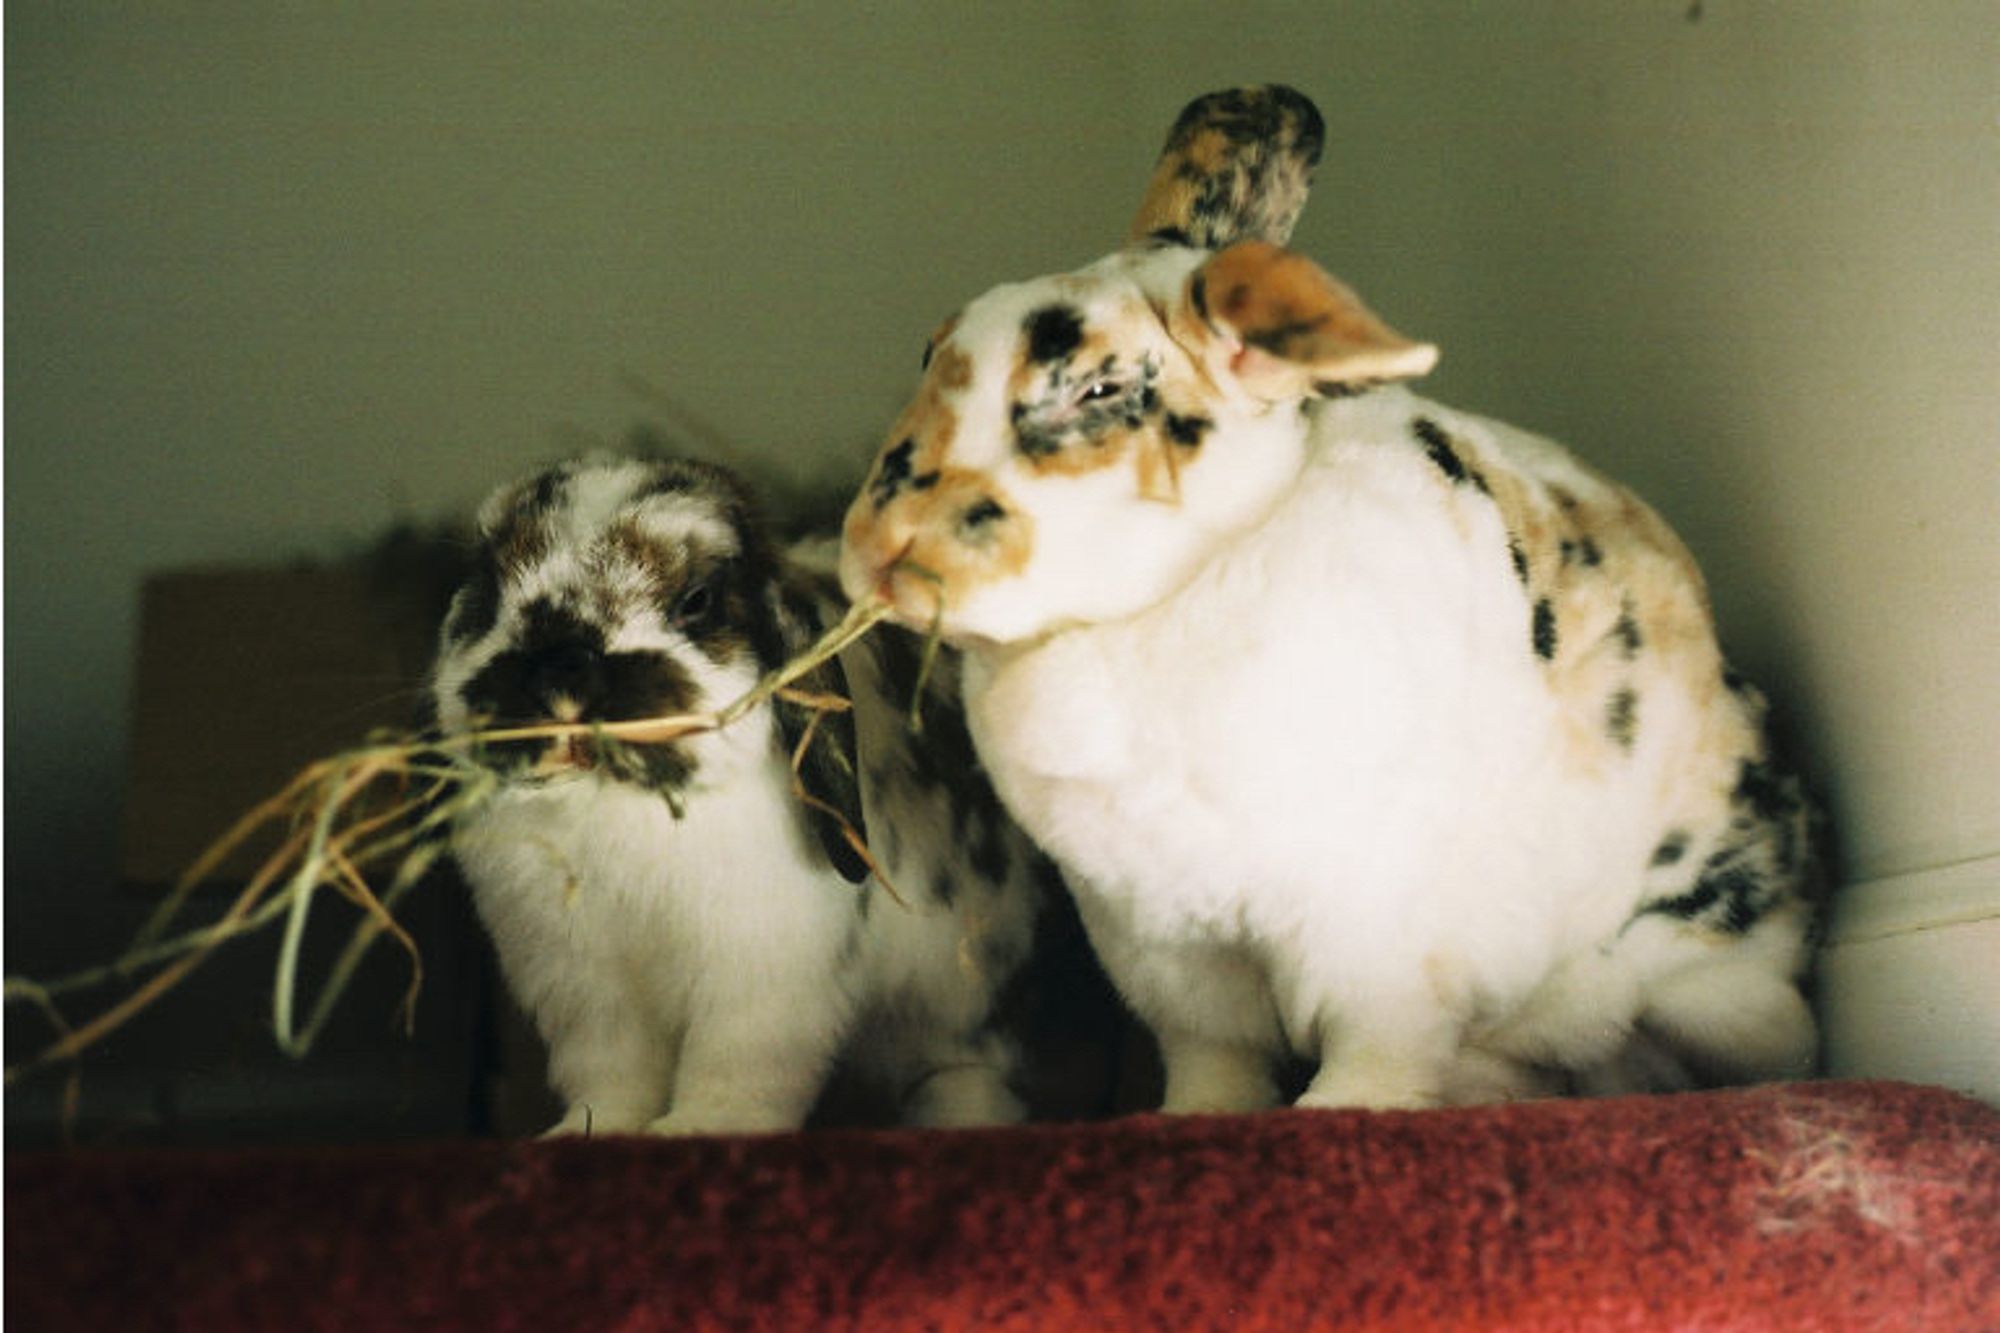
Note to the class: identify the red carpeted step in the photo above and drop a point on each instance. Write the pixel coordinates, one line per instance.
(1809, 1206)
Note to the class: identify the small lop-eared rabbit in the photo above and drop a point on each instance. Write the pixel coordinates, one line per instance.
(1368, 733)
(696, 944)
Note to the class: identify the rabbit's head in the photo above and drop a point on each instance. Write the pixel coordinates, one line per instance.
(1081, 442)
(617, 589)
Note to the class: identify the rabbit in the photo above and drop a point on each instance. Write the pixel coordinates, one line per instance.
(696, 944)
(1373, 738)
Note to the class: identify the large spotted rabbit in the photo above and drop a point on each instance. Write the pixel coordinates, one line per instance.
(696, 944)
(1372, 735)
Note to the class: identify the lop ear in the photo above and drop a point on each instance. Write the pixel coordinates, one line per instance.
(1237, 166)
(1280, 326)
(827, 768)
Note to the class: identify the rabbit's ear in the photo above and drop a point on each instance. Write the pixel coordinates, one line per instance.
(1281, 327)
(827, 770)
(1237, 166)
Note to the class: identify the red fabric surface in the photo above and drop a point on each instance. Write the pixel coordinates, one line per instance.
(1811, 1206)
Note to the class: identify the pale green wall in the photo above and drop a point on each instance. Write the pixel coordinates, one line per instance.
(278, 275)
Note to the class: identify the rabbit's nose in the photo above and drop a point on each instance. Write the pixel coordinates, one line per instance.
(568, 670)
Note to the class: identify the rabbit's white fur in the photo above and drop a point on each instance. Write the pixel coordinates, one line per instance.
(669, 916)
(1367, 732)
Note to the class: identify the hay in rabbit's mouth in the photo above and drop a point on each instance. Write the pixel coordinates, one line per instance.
(381, 814)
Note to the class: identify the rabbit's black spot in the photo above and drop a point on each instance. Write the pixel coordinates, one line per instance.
(548, 492)
(1765, 792)
(982, 514)
(1621, 718)
(550, 629)
(1582, 551)
(1438, 447)
(1168, 236)
(924, 481)
(1543, 634)
(1519, 559)
(1741, 881)
(1031, 438)
(1671, 849)
(1187, 431)
(1740, 892)
(1689, 905)
(1626, 632)
(1198, 295)
(560, 662)
(1344, 388)
(893, 473)
(640, 685)
(1054, 331)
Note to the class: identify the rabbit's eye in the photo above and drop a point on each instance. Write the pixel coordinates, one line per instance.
(694, 604)
(1098, 391)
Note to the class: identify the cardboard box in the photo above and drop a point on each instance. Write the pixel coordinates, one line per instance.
(247, 675)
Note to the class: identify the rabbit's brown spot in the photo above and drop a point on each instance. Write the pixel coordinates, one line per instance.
(937, 340)
(522, 543)
(953, 369)
(633, 557)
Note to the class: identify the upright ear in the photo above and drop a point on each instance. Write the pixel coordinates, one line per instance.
(1280, 326)
(1237, 166)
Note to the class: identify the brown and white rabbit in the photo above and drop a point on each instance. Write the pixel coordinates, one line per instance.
(695, 944)
(1367, 732)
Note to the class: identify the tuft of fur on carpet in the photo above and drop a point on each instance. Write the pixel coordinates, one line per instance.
(1823, 1206)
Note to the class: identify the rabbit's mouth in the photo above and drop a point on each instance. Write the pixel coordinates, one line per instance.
(654, 766)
